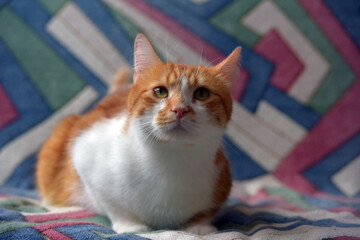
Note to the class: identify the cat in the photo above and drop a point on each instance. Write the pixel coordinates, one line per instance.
(148, 156)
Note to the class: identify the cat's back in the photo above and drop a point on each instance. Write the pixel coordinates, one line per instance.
(56, 177)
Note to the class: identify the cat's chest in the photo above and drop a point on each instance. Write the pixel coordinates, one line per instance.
(164, 185)
(176, 190)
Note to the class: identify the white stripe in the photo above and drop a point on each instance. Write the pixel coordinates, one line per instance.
(269, 137)
(265, 17)
(95, 38)
(267, 160)
(348, 178)
(16, 151)
(168, 44)
(73, 29)
(279, 121)
(251, 187)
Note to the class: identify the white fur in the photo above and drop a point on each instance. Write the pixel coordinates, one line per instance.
(149, 176)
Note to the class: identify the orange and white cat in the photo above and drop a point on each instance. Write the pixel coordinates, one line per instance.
(148, 156)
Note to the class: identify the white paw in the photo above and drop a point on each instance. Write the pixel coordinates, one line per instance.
(201, 229)
(130, 227)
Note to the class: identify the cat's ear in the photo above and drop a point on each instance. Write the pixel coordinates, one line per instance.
(144, 54)
(230, 66)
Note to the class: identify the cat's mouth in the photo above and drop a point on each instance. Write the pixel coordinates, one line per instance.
(176, 127)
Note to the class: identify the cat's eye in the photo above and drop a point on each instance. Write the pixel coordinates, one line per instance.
(160, 92)
(201, 94)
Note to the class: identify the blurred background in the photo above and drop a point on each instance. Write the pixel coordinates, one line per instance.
(296, 119)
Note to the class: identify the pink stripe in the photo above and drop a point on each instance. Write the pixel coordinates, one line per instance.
(53, 234)
(288, 66)
(57, 216)
(197, 44)
(179, 31)
(47, 226)
(240, 85)
(340, 124)
(8, 112)
(333, 29)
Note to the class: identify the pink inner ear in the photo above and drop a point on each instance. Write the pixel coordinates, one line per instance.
(230, 67)
(144, 54)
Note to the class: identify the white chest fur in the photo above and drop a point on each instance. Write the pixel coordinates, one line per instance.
(163, 184)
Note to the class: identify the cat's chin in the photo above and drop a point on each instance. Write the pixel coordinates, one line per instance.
(177, 134)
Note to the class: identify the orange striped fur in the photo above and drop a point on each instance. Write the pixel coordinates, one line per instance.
(55, 174)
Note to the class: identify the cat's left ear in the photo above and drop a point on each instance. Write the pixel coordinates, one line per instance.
(230, 67)
(144, 55)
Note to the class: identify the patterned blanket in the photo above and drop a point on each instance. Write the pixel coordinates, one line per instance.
(293, 141)
(273, 213)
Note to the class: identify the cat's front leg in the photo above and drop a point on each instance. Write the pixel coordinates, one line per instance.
(200, 228)
(129, 227)
(124, 221)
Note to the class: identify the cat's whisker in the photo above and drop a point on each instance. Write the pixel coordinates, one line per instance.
(174, 49)
(200, 62)
(210, 64)
(166, 49)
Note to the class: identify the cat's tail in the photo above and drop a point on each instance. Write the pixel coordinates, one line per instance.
(121, 80)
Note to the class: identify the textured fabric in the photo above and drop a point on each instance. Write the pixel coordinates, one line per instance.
(295, 132)
(273, 213)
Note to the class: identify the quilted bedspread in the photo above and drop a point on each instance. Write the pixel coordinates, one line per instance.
(294, 138)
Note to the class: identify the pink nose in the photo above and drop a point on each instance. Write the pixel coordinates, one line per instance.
(180, 112)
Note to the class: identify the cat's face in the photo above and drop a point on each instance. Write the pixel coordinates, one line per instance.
(174, 102)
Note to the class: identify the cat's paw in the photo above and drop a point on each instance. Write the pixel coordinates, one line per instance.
(122, 227)
(201, 229)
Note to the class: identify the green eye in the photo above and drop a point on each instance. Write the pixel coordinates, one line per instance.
(160, 92)
(201, 94)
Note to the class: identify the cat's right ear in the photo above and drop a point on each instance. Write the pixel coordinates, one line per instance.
(144, 55)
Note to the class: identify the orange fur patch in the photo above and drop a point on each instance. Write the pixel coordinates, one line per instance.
(56, 177)
(221, 190)
(168, 75)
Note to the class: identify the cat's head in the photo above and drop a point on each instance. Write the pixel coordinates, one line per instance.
(181, 103)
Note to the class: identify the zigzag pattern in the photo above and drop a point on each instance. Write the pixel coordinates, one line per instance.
(296, 121)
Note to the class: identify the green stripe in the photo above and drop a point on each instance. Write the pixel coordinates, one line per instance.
(228, 20)
(6, 226)
(56, 80)
(291, 196)
(340, 76)
(53, 5)
(129, 27)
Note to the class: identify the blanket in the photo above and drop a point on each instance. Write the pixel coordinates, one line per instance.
(293, 140)
(273, 213)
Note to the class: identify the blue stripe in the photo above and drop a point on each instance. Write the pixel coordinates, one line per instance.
(204, 10)
(37, 17)
(3, 3)
(86, 231)
(103, 19)
(9, 215)
(328, 203)
(320, 174)
(347, 12)
(24, 175)
(235, 217)
(22, 233)
(259, 68)
(293, 109)
(241, 165)
(27, 99)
